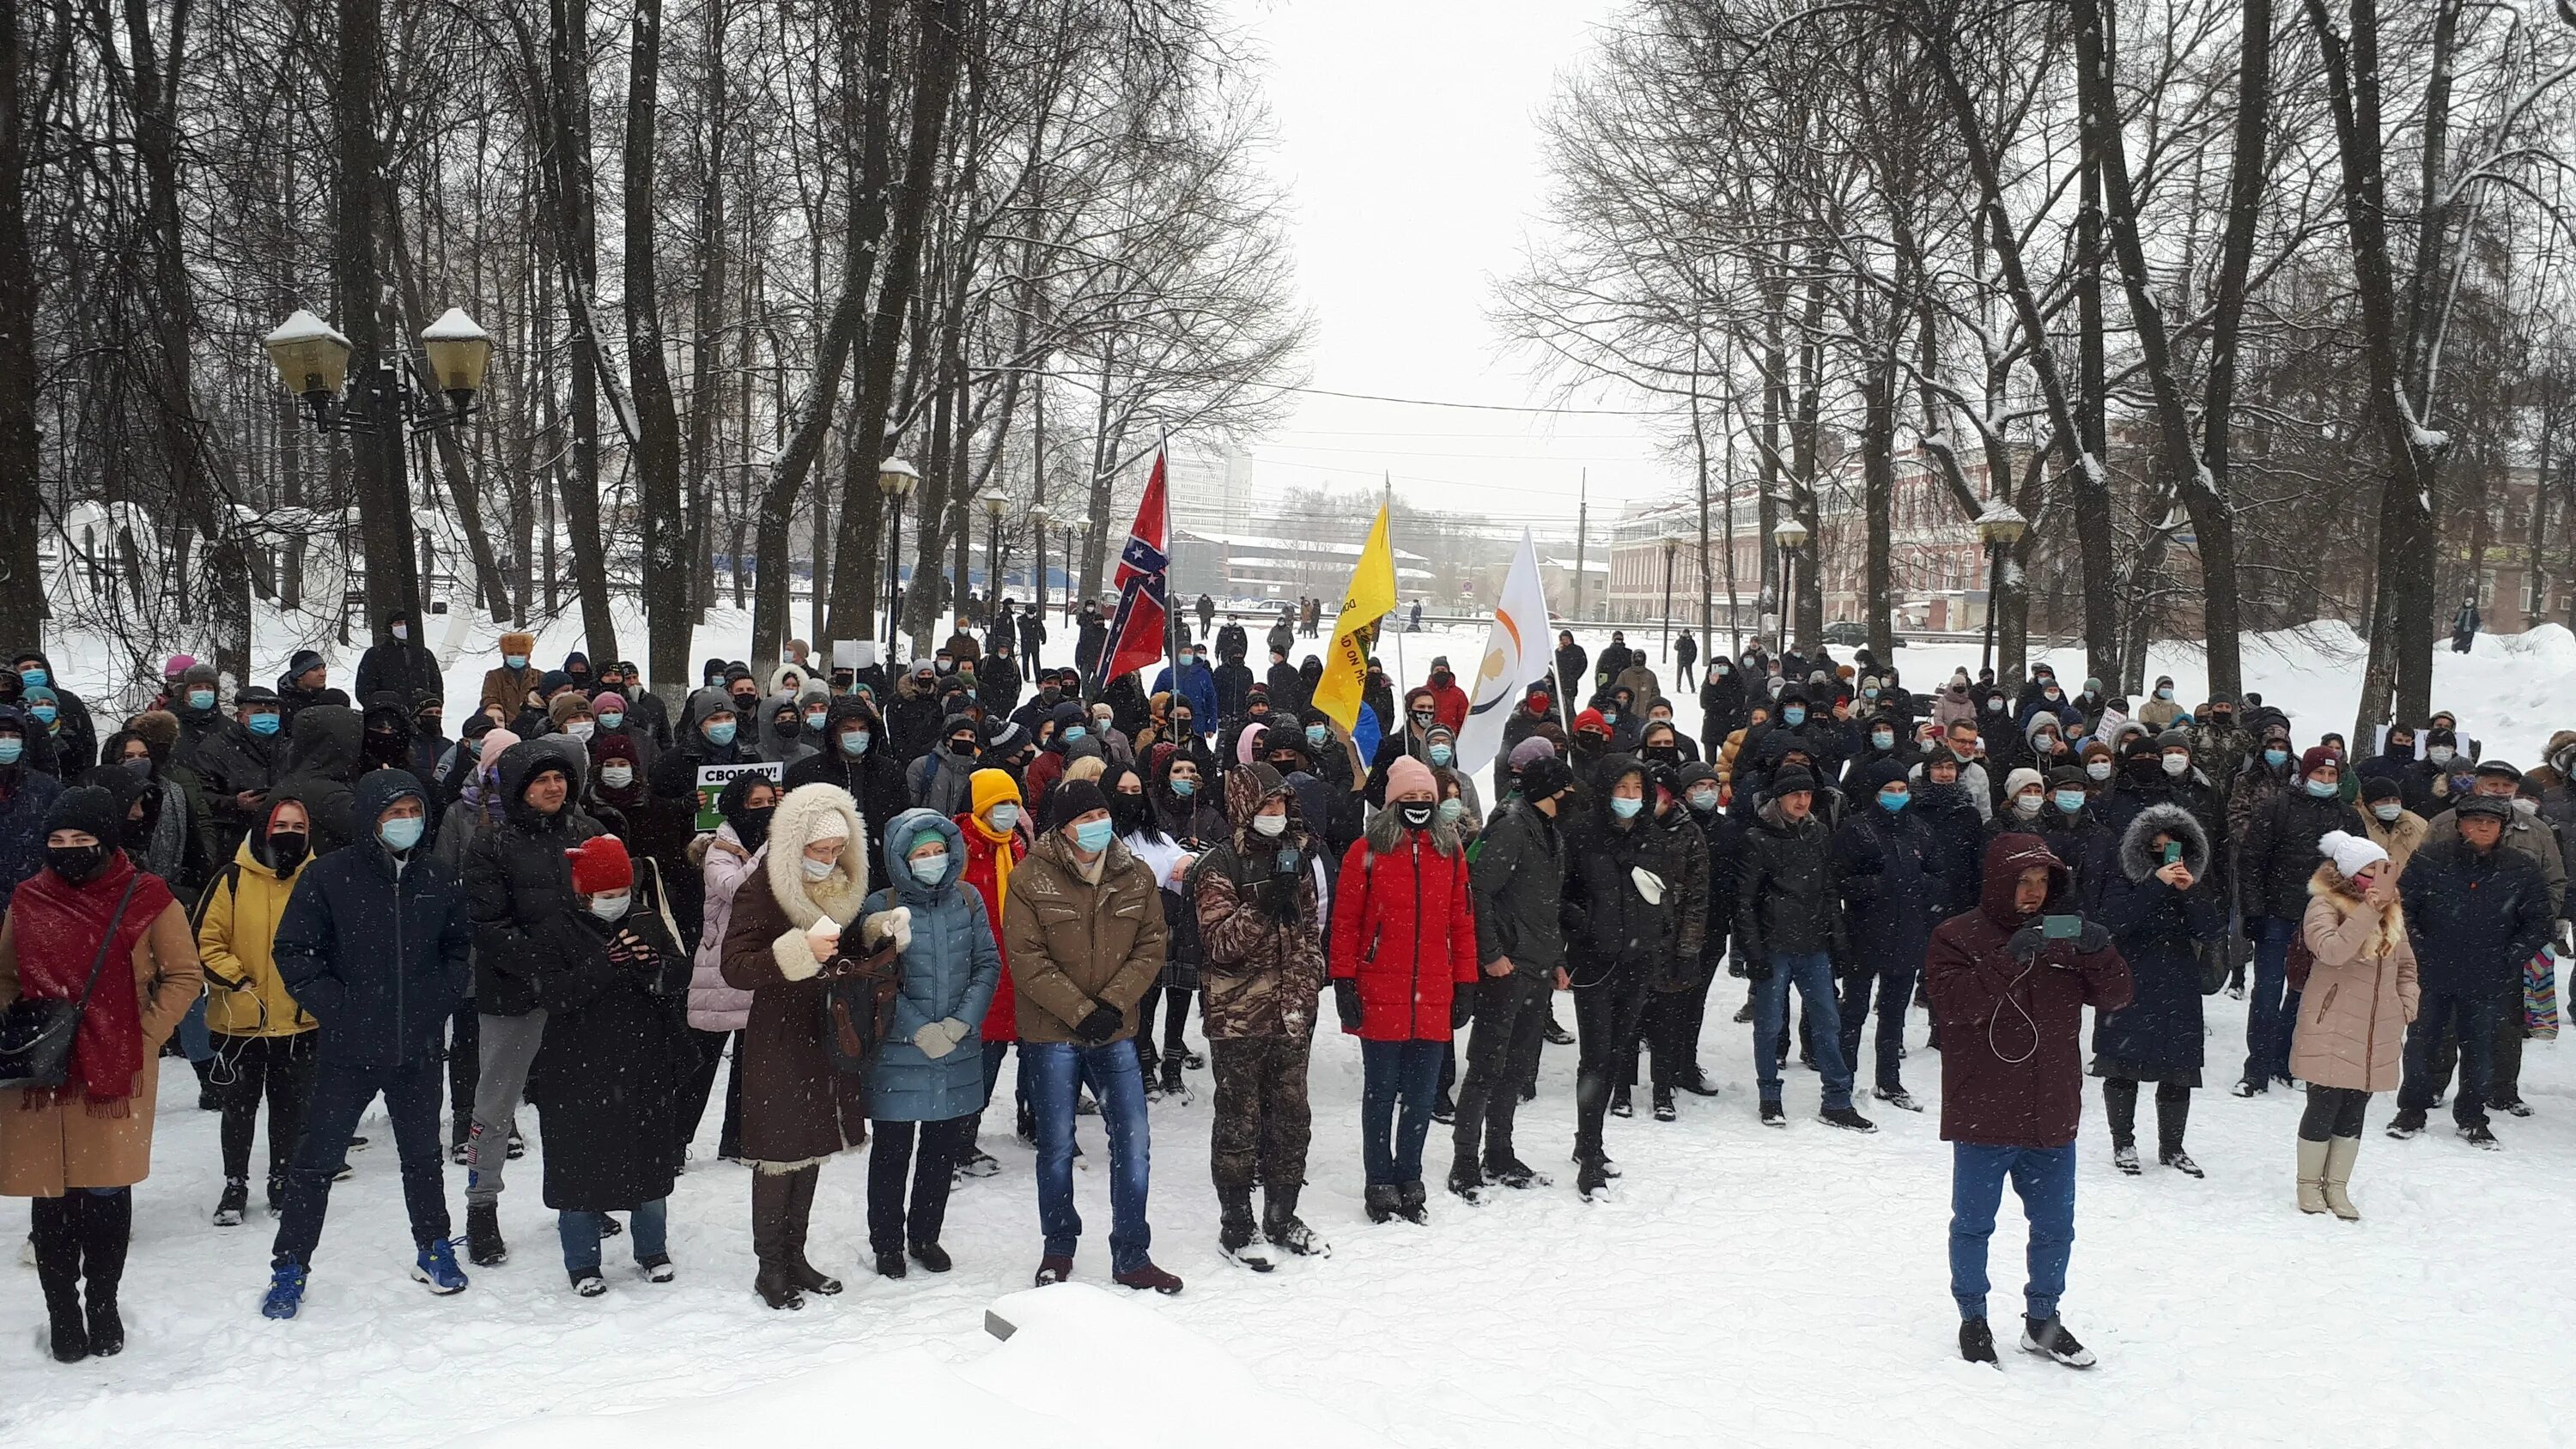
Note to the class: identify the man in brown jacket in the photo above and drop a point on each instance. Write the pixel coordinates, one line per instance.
(1083, 930)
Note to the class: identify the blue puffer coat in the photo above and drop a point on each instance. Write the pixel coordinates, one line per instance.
(949, 973)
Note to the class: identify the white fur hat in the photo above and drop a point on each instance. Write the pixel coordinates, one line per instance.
(2352, 854)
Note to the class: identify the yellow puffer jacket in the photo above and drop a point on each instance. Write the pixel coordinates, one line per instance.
(236, 924)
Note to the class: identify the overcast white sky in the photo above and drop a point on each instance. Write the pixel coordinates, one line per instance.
(1408, 140)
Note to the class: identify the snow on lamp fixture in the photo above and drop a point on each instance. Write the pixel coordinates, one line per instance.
(897, 478)
(458, 349)
(311, 357)
(1791, 533)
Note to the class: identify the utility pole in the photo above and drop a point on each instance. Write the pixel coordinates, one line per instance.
(1582, 515)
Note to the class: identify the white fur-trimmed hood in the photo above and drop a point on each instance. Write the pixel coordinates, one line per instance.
(838, 895)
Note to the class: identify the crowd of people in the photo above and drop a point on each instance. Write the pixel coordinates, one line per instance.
(857, 894)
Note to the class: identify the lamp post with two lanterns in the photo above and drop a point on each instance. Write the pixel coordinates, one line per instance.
(1792, 536)
(895, 479)
(313, 362)
(2000, 526)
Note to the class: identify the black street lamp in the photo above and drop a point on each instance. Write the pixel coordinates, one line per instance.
(895, 479)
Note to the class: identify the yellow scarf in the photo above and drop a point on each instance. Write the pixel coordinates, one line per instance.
(1000, 840)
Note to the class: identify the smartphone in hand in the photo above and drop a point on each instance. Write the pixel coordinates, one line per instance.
(2061, 928)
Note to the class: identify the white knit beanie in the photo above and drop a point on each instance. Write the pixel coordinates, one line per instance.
(2352, 854)
(828, 825)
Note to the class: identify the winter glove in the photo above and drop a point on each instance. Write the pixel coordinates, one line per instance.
(1757, 969)
(896, 923)
(2094, 939)
(1346, 1000)
(1276, 897)
(1100, 1025)
(1462, 1008)
(2027, 943)
(938, 1038)
(1649, 884)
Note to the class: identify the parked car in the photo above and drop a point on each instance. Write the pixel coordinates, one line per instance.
(1852, 634)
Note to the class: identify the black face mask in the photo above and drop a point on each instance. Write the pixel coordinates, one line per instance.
(1129, 812)
(752, 826)
(961, 748)
(286, 849)
(1664, 754)
(788, 729)
(1415, 814)
(138, 764)
(76, 863)
(746, 703)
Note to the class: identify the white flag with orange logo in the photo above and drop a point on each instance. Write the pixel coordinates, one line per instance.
(1516, 657)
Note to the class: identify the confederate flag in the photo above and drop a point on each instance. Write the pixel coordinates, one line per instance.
(1144, 599)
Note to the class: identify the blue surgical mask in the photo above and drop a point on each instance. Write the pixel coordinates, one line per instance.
(1093, 835)
(1882, 739)
(1869, 694)
(2164, 694)
(1004, 815)
(854, 742)
(1442, 754)
(814, 720)
(44, 713)
(2322, 789)
(515, 661)
(1317, 734)
(263, 724)
(1609, 716)
(611, 720)
(1624, 807)
(1794, 715)
(11, 747)
(1893, 801)
(1074, 732)
(401, 835)
(2070, 801)
(201, 699)
(35, 678)
(720, 732)
(1185, 788)
(1450, 810)
(2388, 811)
(930, 870)
(2276, 758)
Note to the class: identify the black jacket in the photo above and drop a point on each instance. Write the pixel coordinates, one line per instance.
(322, 766)
(2474, 918)
(1721, 705)
(2160, 932)
(1613, 926)
(2280, 852)
(404, 666)
(377, 954)
(1888, 870)
(874, 780)
(232, 762)
(518, 890)
(1518, 879)
(1958, 842)
(1784, 897)
(1724, 836)
(607, 1075)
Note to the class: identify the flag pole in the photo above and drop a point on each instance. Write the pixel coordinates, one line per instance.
(1403, 672)
(1171, 558)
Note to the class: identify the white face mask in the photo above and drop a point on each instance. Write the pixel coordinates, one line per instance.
(2177, 764)
(610, 908)
(402, 631)
(1005, 815)
(2098, 769)
(817, 869)
(1273, 826)
(2026, 804)
(617, 777)
(2439, 754)
(581, 729)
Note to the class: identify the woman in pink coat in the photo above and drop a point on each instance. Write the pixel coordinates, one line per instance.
(2360, 995)
(717, 1011)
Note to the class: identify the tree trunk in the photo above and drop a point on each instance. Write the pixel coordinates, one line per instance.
(670, 617)
(576, 241)
(1878, 488)
(362, 195)
(22, 590)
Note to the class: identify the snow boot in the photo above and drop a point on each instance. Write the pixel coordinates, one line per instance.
(106, 1226)
(1467, 1180)
(2048, 1337)
(1054, 1269)
(1511, 1172)
(2477, 1135)
(2124, 1156)
(2312, 1171)
(1977, 1342)
(1897, 1097)
(1236, 1236)
(285, 1291)
(2180, 1161)
(2516, 1107)
(1146, 1276)
(1773, 1116)
(1286, 1231)
(1590, 1178)
(235, 1201)
(588, 1282)
(58, 1267)
(890, 1264)
(656, 1269)
(2340, 1152)
(2408, 1122)
(1173, 1086)
(1412, 1203)
(1846, 1119)
(775, 1288)
(483, 1242)
(932, 1258)
(1664, 1109)
(436, 1266)
(1380, 1199)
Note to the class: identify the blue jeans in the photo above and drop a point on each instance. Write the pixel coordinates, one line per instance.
(194, 1040)
(579, 1231)
(1055, 1071)
(2044, 1177)
(1813, 974)
(2272, 1010)
(1895, 997)
(1393, 1071)
(340, 1095)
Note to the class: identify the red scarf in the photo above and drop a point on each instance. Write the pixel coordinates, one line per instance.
(57, 926)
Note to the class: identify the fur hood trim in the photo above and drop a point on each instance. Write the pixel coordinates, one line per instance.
(838, 895)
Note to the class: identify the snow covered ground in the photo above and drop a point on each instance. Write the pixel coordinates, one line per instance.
(1747, 1286)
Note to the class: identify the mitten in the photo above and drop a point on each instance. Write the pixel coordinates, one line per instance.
(1346, 1000)
(936, 1038)
(896, 923)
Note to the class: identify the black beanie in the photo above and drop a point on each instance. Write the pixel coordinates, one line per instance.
(1070, 800)
(89, 808)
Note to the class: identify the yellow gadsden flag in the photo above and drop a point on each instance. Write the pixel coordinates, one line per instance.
(1371, 597)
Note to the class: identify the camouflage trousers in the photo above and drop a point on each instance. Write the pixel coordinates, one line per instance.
(1263, 1124)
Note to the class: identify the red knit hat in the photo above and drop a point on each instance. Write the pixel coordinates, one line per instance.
(2319, 755)
(600, 866)
(1591, 719)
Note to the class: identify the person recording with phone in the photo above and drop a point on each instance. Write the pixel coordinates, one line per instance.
(2009, 982)
(2161, 912)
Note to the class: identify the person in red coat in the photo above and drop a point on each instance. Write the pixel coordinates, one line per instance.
(1448, 701)
(995, 841)
(1403, 943)
(2009, 982)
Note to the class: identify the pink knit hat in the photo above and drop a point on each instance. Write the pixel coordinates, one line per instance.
(1407, 775)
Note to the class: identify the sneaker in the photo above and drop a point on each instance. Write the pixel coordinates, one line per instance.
(2125, 1158)
(2049, 1337)
(2180, 1161)
(932, 1257)
(2249, 1089)
(1897, 1097)
(610, 1227)
(1977, 1342)
(1444, 1109)
(457, 1153)
(979, 1163)
(1846, 1119)
(2476, 1135)
(236, 1199)
(1468, 1181)
(1290, 1234)
(588, 1283)
(285, 1291)
(1557, 1035)
(1172, 1084)
(357, 1144)
(1146, 1276)
(656, 1269)
(1193, 1061)
(1772, 1116)
(2236, 990)
(1664, 1109)
(2515, 1108)
(2408, 1122)
(1620, 1106)
(436, 1266)
(518, 1144)
(483, 1235)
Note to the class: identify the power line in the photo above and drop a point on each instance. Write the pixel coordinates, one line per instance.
(1424, 402)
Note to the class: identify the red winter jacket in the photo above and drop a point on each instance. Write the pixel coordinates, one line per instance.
(1404, 925)
(1449, 704)
(1002, 1018)
(2012, 1068)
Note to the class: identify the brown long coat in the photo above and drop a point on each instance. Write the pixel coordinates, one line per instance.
(796, 1109)
(2360, 995)
(47, 1150)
